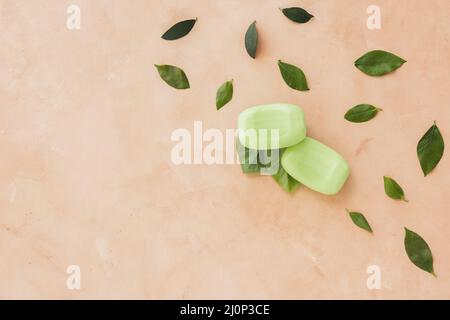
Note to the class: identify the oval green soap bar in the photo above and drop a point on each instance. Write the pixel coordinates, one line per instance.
(316, 166)
(261, 127)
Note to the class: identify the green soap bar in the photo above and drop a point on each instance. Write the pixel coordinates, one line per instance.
(259, 126)
(317, 166)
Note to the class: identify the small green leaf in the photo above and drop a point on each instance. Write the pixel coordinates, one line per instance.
(179, 30)
(377, 63)
(296, 14)
(173, 76)
(251, 40)
(418, 251)
(430, 149)
(393, 189)
(258, 161)
(248, 158)
(293, 76)
(361, 113)
(359, 219)
(224, 94)
(284, 180)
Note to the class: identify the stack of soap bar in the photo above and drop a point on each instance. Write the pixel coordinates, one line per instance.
(286, 120)
(306, 160)
(315, 165)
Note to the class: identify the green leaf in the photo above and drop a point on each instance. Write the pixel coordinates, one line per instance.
(393, 189)
(251, 162)
(179, 30)
(293, 76)
(224, 94)
(251, 40)
(361, 113)
(359, 219)
(296, 14)
(378, 63)
(284, 180)
(173, 76)
(248, 158)
(418, 251)
(258, 161)
(430, 149)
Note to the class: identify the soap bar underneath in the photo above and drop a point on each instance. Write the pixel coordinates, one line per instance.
(257, 126)
(316, 166)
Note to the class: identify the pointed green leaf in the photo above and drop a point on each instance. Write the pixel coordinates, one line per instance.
(293, 76)
(179, 30)
(173, 76)
(284, 180)
(251, 40)
(359, 220)
(258, 161)
(296, 14)
(248, 158)
(361, 113)
(224, 94)
(418, 251)
(430, 149)
(393, 189)
(378, 63)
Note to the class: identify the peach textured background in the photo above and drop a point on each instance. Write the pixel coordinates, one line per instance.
(85, 170)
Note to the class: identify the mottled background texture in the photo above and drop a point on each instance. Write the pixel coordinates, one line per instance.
(86, 176)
